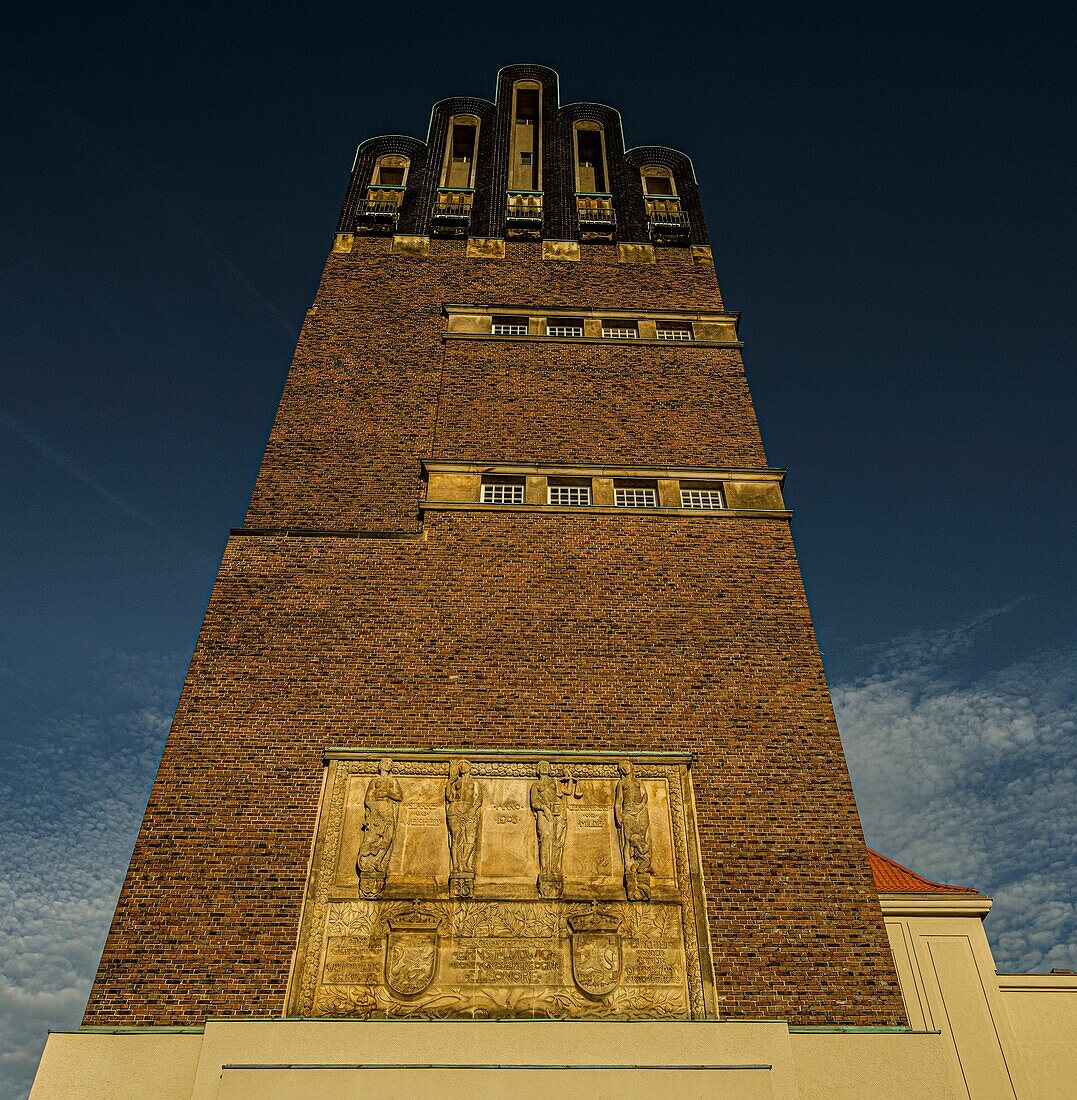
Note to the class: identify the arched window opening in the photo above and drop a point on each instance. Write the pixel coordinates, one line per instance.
(666, 221)
(658, 181)
(525, 162)
(459, 167)
(452, 210)
(523, 210)
(594, 204)
(380, 209)
(590, 160)
(390, 171)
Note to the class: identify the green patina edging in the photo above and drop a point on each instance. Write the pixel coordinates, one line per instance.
(163, 1029)
(854, 1029)
(493, 754)
(481, 1065)
(199, 1029)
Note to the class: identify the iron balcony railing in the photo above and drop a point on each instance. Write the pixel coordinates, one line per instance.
(381, 206)
(672, 223)
(378, 209)
(453, 205)
(524, 206)
(595, 210)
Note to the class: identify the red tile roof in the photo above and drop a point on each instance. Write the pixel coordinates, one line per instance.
(892, 878)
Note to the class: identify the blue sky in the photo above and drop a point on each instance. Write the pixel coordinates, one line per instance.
(889, 193)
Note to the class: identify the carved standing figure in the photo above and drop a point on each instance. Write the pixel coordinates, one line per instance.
(381, 806)
(463, 806)
(634, 828)
(551, 824)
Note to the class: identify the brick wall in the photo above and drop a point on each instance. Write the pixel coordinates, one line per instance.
(489, 629)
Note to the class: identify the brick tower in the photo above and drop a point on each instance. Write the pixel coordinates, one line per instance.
(507, 701)
(514, 497)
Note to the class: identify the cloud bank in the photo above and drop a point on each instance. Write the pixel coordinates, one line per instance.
(972, 779)
(71, 797)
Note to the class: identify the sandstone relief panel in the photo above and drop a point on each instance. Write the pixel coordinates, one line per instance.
(486, 885)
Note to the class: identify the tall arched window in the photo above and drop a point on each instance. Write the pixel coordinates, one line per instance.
(591, 173)
(461, 146)
(525, 155)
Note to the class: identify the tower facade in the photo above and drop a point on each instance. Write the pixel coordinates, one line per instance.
(515, 498)
(507, 702)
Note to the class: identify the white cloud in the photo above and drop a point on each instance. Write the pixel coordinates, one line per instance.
(73, 792)
(973, 780)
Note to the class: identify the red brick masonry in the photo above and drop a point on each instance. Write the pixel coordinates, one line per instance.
(499, 629)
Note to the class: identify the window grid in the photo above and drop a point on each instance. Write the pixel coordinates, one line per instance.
(506, 326)
(502, 492)
(674, 332)
(564, 328)
(701, 498)
(620, 332)
(570, 494)
(635, 498)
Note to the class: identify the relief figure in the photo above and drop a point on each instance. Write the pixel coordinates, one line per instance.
(381, 809)
(551, 823)
(463, 806)
(634, 830)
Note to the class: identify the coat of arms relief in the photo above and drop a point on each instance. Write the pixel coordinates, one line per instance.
(504, 885)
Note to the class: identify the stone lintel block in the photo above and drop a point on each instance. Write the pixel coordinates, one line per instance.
(718, 331)
(469, 322)
(410, 246)
(636, 254)
(486, 248)
(535, 491)
(750, 495)
(669, 492)
(560, 250)
(464, 487)
(602, 491)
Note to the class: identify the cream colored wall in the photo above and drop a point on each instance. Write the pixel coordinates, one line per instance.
(156, 1065)
(493, 1084)
(330, 1059)
(975, 1036)
(854, 1066)
(947, 976)
(1042, 1013)
(1007, 1038)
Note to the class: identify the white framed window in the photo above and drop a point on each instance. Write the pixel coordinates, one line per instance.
(701, 498)
(674, 330)
(572, 495)
(509, 326)
(635, 497)
(564, 326)
(502, 492)
(620, 330)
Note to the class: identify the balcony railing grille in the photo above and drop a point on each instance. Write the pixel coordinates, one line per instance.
(668, 223)
(524, 206)
(595, 209)
(378, 209)
(455, 210)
